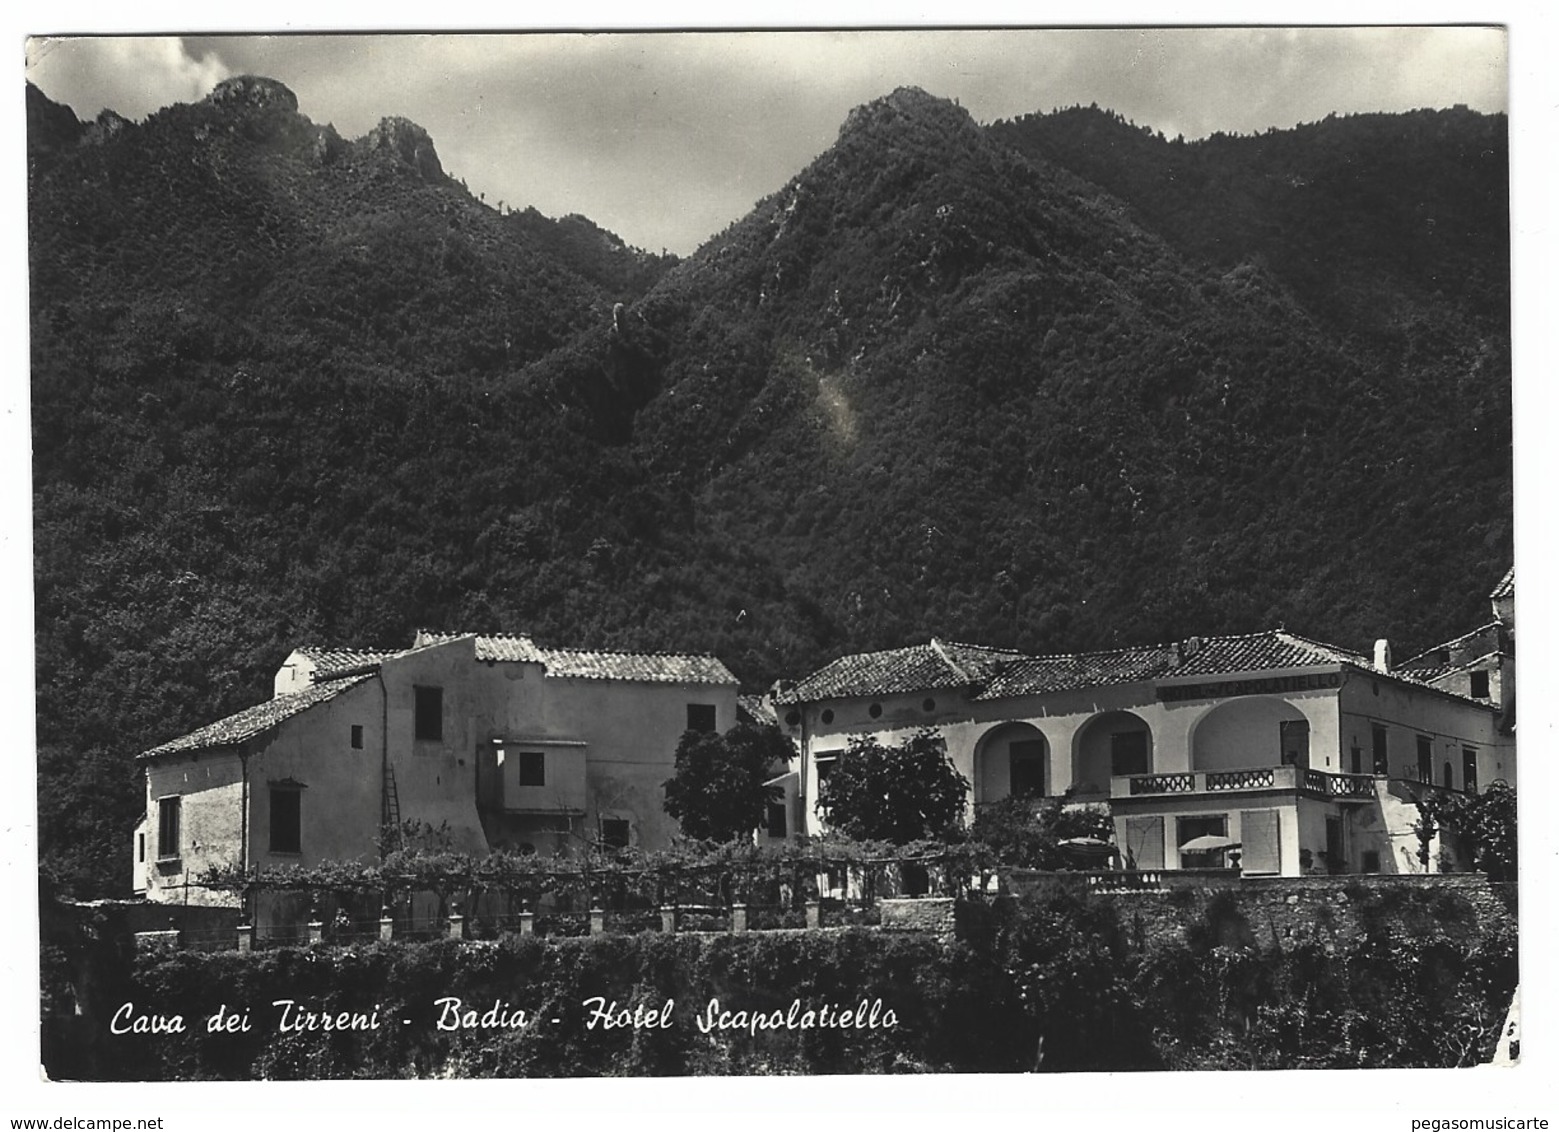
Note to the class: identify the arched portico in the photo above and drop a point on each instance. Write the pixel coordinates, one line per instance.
(1110, 744)
(1251, 731)
(1011, 759)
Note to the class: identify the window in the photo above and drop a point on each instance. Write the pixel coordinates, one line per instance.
(140, 848)
(533, 768)
(1129, 752)
(1356, 757)
(701, 717)
(1480, 685)
(286, 819)
(1369, 861)
(1026, 768)
(614, 833)
(1187, 829)
(1446, 778)
(1294, 741)
(774, 819)
(1381, 752)
(825, 764)
(1426, 760)
(357, 736)
(1469, 770)
(168, 828)
(430, 712)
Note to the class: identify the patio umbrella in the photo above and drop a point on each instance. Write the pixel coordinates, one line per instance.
(1085, 842)
(1209, 842)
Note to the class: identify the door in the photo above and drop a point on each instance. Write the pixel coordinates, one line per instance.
(1294, 739)
(1335, 861)
(1026, 768)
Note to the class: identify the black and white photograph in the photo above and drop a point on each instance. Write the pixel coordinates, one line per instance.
(972, 554)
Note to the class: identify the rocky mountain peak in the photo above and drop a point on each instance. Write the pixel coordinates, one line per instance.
(907, 104)
(407, 141)
(252, 92)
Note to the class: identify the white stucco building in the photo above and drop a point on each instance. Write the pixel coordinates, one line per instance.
(1307, 754)
(512, 744)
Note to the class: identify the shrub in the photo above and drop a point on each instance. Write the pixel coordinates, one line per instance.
(900, 794)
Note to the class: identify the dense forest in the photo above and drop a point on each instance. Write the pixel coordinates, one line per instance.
(1055, 383)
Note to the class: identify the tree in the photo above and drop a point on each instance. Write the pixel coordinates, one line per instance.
(1028, 835)
(1488, 823)
(899, 794)
(718, 791)
(1485, 822)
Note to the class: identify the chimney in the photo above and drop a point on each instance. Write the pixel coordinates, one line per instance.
(1383, 655)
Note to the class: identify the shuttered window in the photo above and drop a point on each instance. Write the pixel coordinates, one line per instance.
(1145, 842)
(1259, 841)
(167, 829)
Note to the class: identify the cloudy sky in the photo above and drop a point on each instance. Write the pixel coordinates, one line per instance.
(666, 138)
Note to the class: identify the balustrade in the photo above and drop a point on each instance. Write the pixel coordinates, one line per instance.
(1163, 784)
(1339, 785)
(1250, 779)
(1323, 783)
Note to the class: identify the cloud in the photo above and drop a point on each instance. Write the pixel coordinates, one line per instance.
(132, 75)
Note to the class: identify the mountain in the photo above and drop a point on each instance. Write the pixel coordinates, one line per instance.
(986, 382)
(1409, 208)
(949, 386)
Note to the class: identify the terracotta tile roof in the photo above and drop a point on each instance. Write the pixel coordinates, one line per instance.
(1429, 673)
(1257, 652)
(979, 661)
(1035, 674)
(1427, 658)
(756, 710)
(998, 673)
(654, 668)
(330, 663)
(255, 720)
(495, 646)
(1506, 587)
(585, 664)
(936, 664)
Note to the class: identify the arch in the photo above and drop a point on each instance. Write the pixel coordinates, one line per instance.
(1011, 758)
(1111, 743)
(1250, 731)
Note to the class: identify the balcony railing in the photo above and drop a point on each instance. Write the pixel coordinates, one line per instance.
(1322, 783)
(1339, 785)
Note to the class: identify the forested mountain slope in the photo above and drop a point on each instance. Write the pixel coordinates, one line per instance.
(971, 381)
